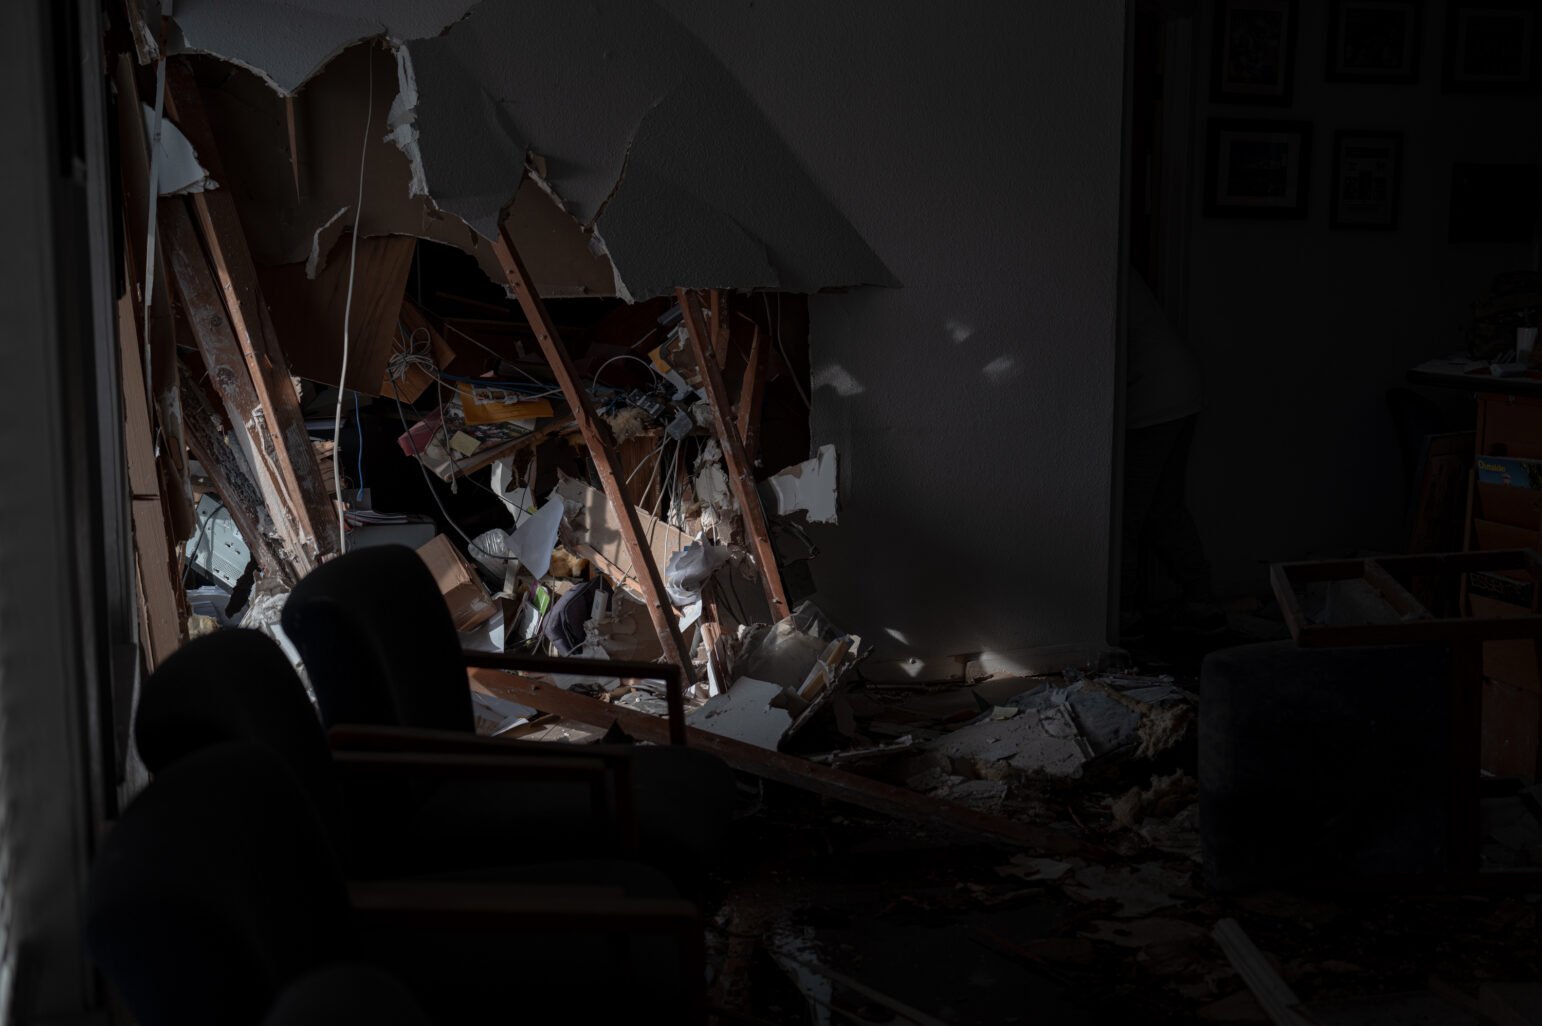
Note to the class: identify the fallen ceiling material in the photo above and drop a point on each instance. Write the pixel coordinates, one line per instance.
(639, 153)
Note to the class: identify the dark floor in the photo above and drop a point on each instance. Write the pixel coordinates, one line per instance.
(884, 924)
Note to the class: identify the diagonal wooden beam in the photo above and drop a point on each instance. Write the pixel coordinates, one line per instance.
(718, 310)
(601, 450)
(739, 477)
(281, 419)
(160, 578)
(161, 343)
(792, 770)
(752, 391)
(226, 467)
(228, 371)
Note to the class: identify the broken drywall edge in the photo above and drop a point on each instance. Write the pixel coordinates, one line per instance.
(178, 170)
(287, 44)
(402, 118)
(647, 78)
(809, 487)
(744, 712)
(322, 242)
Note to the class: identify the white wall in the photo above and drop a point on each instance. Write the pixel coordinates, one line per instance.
(977, 149)
(1301, 329)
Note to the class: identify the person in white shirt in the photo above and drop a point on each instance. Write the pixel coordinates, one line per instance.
(1162, 403)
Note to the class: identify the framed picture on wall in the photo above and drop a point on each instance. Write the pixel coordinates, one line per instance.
(1257, 168)
(1491, 45)
(1254, 51)
(1374, 40)
(1367, 169)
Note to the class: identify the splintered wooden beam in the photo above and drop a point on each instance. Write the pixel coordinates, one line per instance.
(601, 450)
(752, 391)
(790, 770)
(718, 310)
(161, 343)
(227, 469)
(158, 570)
(281, 419)
(228, 372)
(739, 476)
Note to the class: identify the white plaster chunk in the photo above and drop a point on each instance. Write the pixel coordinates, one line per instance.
(744, 712)
(177, 168)
(810, 487)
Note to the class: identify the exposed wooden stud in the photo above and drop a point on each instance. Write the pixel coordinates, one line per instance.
(597, 437)
(292, 123)
(228, 371)
(752, 391)
(148, 39)
(227, 469)
(718, 307)
(158, 570)
(739, 477)
(791, 770)
(280, 417)
(134, 164)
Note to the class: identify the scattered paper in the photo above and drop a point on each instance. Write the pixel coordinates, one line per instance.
(533, 541)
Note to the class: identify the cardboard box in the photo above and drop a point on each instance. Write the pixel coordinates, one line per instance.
(463, 591)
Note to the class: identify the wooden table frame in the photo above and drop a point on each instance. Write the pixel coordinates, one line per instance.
(1389, 577)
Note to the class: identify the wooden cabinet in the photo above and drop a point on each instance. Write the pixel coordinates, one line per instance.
(1508, 517)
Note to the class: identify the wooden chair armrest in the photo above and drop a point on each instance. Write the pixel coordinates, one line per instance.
(362, 737)
(669, 673)
(609, 782)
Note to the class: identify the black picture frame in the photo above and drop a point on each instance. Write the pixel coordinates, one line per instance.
(1491, 46)
(1367, 180)
(1258, 168)
(1373, 41)
(1253, 52)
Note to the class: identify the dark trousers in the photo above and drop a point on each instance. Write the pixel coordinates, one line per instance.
(1157, 526)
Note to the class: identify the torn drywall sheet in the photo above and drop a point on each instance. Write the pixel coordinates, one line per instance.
(534, 540)
(644, 136)
(252, 126)
(177, 168)
(810, 486)
(615, 96)
(288, 41)
(744, 712)
(322, 241)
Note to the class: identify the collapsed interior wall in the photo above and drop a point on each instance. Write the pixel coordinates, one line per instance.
(960, 533)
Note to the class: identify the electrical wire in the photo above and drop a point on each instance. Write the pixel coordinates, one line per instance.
(358, 423)
(353, 262)
(626, 356)
(781, 348)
